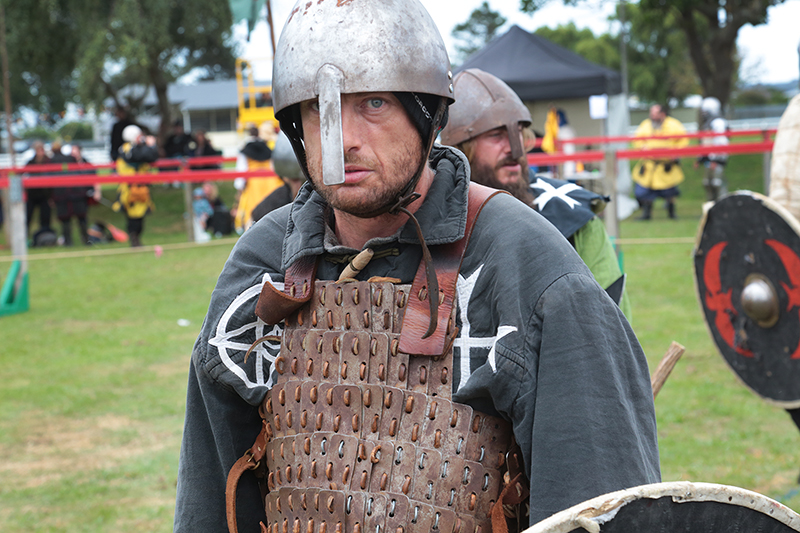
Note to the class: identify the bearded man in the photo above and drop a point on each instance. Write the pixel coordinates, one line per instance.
(487, 124)
(372, 349)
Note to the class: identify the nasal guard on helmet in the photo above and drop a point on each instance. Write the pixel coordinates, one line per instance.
(484, 102)
(329, 48)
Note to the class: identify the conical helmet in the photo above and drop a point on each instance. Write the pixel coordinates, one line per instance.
(484, 102)
(284, 161)
(332, 47)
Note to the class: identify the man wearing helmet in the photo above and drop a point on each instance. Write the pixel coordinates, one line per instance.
(365, 362)
(715, 182)
(486, 123)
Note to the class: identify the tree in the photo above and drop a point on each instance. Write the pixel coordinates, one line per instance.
(659, 64)
(710, 28)
(42, 38)
(477, 30)
(153, 43)
(659, 67)
(601, 50)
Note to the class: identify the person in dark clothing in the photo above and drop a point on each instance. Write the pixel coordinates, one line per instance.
(123, 120)
(136, 156)
(201, 147)
(286, 166)
(72, 202)
(179, 143)
(39, 198)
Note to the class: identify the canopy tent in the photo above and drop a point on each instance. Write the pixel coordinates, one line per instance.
(540, 70)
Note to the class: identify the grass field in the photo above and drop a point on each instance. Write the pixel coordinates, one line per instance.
(94, 375)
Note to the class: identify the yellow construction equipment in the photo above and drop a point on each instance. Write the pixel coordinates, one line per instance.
(255, 101)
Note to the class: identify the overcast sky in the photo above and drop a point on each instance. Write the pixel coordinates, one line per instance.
(769, 51)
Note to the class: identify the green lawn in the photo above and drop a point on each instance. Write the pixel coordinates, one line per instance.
(94, 375)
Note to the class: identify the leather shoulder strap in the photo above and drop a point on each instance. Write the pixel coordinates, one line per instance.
(298, 285)
(447, 262)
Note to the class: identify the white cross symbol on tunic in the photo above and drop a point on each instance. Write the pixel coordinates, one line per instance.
(464, 342)
(551, 192)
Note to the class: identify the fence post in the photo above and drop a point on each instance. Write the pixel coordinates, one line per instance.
(610, 189)
(767, 165)
(14, 297)
(187, 201)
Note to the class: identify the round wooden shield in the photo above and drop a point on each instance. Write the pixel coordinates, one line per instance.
(679, 507)
(747, 274)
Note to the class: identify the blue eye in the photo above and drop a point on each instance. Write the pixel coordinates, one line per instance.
(375, 103)
(315, 105)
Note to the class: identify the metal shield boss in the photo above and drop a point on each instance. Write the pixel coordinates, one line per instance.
(674, 507)
(747, 274)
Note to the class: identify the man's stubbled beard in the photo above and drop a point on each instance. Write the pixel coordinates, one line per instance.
(520, 189)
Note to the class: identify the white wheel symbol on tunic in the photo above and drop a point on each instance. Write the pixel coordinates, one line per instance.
(242, 335)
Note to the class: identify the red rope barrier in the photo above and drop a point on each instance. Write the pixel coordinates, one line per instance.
(698, 135)
(184, 175)
(161, 163)
(78, 180)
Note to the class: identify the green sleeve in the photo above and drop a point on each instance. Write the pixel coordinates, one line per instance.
(594, 246)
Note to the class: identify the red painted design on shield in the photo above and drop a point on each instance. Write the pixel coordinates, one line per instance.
(792, 265)
(718, 301)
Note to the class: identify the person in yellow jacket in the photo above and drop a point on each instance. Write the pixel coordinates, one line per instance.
(133, 199)
(659, 177)
(255, 155)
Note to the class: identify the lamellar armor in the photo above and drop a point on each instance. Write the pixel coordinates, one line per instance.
(360, 434)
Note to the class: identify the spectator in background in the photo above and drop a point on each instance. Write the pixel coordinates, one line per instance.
(72, 201)
(658, 177)
(221, 222)
(254, 155)
(133, 199)
(179, 143)
(201, 147)
(715, 182)
(203, 211)
(285, 164)
(37, 197)
(123, 120)
(565, 133)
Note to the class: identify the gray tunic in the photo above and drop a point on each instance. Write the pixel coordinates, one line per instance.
(540, 344)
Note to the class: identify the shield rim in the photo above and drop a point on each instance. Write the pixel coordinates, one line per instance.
(592, 513)
(794, 224)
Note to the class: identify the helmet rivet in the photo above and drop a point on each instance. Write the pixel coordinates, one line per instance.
(451, 87)
(449, 75)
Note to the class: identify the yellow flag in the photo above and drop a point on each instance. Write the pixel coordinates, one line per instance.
(550, 132)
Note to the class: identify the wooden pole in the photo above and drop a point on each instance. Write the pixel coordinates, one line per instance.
(610, 189)
(271, 28)
(767, 166)
(664, 369)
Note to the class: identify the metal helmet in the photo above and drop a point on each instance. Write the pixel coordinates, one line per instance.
(484, 102)
(711, 106)
(131, 132)
(332, 47)
(284, 161)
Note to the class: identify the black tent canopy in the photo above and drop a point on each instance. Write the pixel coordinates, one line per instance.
(538, 69)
